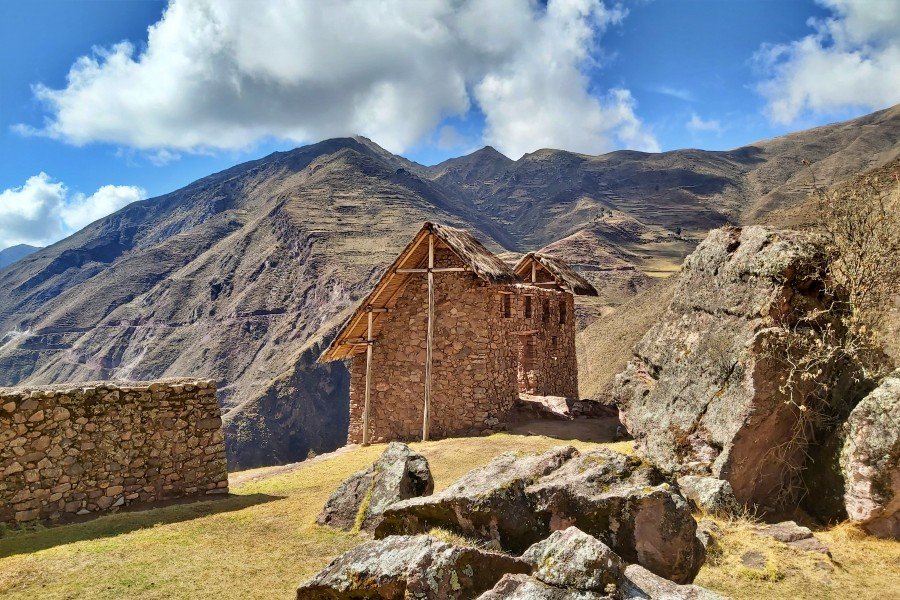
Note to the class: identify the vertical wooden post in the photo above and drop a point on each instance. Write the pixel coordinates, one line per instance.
(428, 339)
(369, 343)
(533, 272)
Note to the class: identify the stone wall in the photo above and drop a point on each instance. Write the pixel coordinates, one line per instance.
(475, 369)
(74, 450)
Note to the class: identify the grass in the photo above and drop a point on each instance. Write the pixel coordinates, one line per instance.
(861, 567)
(262, 541)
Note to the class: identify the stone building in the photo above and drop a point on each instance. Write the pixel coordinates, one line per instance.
(451, 335)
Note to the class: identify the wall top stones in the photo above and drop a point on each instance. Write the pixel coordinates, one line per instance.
(90, 387)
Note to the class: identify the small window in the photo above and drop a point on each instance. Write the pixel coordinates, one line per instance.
(545, 311)
(553, 342)
(562, 312)
(506, 305)
(527, 307)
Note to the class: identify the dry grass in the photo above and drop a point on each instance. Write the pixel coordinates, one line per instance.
(861, 567)
(261, 542)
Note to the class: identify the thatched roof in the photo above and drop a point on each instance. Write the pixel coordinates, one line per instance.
(554, 269)
(474, 256)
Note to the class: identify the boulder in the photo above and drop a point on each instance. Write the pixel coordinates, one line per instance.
(398, 474)
(626, 503)
(418, 567)
(523, 587)
(641, 583)
(711, 495)
(573, 564)
(488, 503)
(870, 460)
(573, 559)
(795, 536)
(702, 395)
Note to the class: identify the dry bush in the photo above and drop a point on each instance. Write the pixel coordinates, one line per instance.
(833, 352)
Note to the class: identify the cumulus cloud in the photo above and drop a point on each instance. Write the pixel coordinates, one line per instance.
(42, 211)
(215, 75)
(697, 124)
(852, 60)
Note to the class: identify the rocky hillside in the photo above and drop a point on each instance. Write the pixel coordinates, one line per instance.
(244, 274)
(10, 255)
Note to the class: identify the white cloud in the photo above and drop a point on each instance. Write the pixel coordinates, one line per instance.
(215, 75)
(851, 61)
(541, 98)
(696, 124)
(674, 92)
(42, 211)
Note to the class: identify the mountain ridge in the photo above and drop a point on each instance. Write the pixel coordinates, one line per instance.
(243, 275)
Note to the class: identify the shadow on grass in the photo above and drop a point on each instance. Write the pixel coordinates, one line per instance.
(599, 430)
(104, 525)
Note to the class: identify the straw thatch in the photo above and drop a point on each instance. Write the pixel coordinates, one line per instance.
(387, 291)
(565, 276)
(478, 258)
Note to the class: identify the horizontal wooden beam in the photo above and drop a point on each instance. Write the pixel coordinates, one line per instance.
(357, 342)
(434, 270)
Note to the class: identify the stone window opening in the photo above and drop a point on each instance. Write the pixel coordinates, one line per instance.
(562, 312)
(528, 310)
(506, 305)
(545, 311)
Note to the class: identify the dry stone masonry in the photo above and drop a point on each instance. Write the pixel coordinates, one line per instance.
(67, 450)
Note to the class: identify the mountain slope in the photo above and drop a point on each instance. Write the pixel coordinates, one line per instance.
(15, 253)
(244, 275)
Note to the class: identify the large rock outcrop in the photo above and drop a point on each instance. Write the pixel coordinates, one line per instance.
(398, 474)
(701, 394)
(629, 505)
(488, 502)
(401, 567)
(517, 500)
(870, 460)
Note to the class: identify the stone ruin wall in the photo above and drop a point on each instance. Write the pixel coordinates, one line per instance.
(67, 450)
(475, 357)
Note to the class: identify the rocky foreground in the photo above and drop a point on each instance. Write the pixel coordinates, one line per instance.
(561, 524)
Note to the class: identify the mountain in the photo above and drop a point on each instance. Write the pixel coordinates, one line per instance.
(244, 275)
(14, 253)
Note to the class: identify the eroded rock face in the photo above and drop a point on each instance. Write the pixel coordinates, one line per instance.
(701, 395)
(488, 502)
(715, 496)
(870, 460)
(418, 567)
(398, 474)
(629, 505)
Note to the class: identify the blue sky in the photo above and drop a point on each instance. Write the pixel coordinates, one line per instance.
(217, 84)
